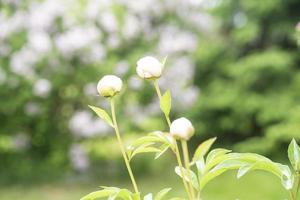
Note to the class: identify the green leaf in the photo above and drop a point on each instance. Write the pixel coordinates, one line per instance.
(287, 178)
(220, 169)
(160, 195)
(98, 194)
(155, 142)
(260, 165)
(243, 170)
(144, 149)
(102, 114)
(136, 196)
(113, 196)
(154, 137)
(216, 157)
(200, 164)
(186, 176)
(165, 138)
(163, 62)
(216, 153)
(294, 155)
(124, 194)
(117, 193)
(163, 148)
(258, 162)
(145, 140)
(268, 166)
(177, 198)
(165, 103)
(148, 197)
(248, 157)
(203, 148)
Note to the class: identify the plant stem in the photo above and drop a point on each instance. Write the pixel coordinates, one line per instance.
(177, 152)
(291, 195)
(113, 113)
(187, 165)
(155, 82)
(297, 186)
(294, 191)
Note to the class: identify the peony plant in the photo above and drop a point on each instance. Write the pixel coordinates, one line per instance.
(204, 166)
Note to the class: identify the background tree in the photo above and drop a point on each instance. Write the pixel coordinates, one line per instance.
(250, 76)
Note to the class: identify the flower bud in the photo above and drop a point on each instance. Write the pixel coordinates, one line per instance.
(149, 68)
(298, 27)
(182, 129)
(109, 86)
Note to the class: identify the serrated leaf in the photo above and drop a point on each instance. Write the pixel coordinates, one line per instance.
(203, 148)
(161, 194)
(102, 114)
(294, 155)
(165, 103)
(185, 176)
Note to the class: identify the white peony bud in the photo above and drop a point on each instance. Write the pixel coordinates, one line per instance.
(182, 129)
(298, 27)
(149, 68)
(109, 86)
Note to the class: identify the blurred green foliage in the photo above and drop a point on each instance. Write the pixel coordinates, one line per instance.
(249, 76)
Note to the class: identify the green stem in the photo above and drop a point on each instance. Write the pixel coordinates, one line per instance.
(297, 186)
(155, 82)
(199, 198)
(177, 152)
(113, 113)
(187, 165)
(291, 195)
(182, 172)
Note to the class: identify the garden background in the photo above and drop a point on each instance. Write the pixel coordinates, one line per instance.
(233, 68)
